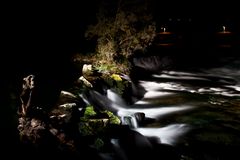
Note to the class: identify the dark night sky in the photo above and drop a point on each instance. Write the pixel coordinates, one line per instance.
(41, 36)
(37, 25)
(50, 32)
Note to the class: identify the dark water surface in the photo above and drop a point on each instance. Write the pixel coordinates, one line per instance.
(202, 108)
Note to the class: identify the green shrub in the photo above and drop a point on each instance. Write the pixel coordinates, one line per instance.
(121, 28)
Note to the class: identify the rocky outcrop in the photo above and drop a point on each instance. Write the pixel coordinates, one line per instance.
(78, 127)
(70, 128)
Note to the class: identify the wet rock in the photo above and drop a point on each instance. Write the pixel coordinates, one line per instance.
(140, 117)
(66, 97)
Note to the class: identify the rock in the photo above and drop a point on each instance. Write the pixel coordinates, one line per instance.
(85, 81)
(140, 117)
(66, 97)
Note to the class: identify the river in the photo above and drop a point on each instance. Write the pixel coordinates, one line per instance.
(196, 110)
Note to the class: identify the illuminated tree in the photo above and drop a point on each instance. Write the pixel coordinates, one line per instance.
(122, 27)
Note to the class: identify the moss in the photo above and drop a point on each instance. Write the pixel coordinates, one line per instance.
(99, 143)
(85, 129)
(89, 111)
(91, 126)
(121, 86)
(95, 125)
(116, 77)
(112, 118)
(117, 83)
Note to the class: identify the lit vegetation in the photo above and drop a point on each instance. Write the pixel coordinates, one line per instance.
(121, 30)
(95, 124)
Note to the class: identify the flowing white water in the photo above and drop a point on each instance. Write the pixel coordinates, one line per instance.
(224, 89)
(155, 94)
(153, 112)
(210, 129)
(129, 120)
(180, 76)
(168, 134)
(158, 89)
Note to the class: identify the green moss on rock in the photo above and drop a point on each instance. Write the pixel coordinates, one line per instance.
(112, 118)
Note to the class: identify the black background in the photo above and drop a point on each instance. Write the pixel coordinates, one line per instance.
(40, 38)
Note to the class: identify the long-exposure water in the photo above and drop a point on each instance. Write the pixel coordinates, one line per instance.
(195, 110)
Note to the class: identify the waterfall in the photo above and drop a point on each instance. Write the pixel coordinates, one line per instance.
(128, 114)
(130, 120)
(133, 115)
(114, 97)
(167, 135)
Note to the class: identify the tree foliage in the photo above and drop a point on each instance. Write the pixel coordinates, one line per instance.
(122, 27)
